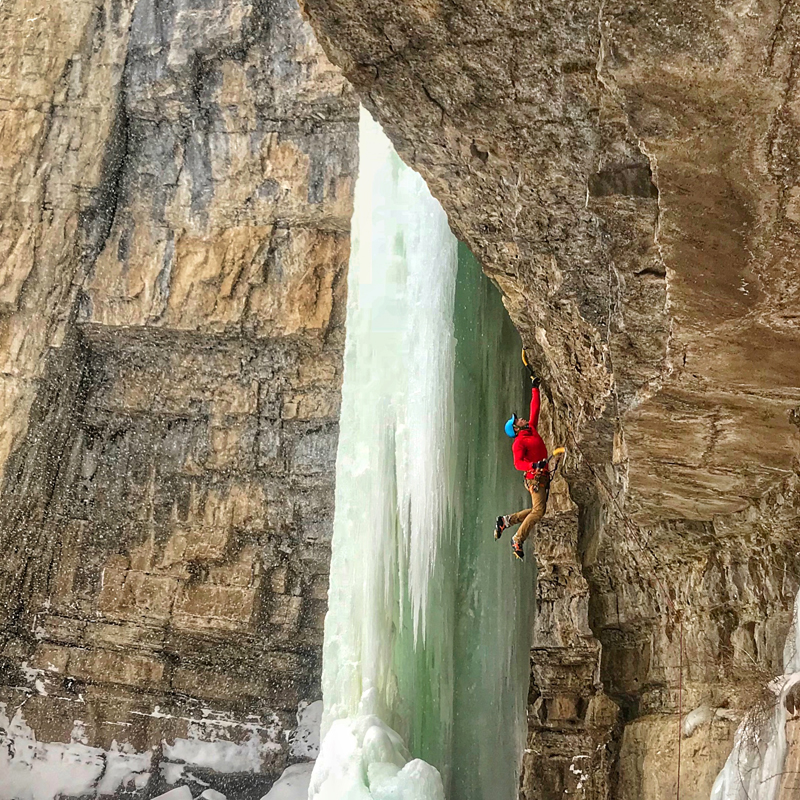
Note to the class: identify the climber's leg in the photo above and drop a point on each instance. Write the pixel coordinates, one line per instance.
(507, 520)
(520, 516)
(538, 507)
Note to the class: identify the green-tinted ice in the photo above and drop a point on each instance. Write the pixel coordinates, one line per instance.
(428, 630)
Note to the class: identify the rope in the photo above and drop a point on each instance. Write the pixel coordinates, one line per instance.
(632, 529)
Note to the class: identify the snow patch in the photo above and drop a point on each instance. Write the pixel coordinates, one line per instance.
(123, 767)
(172, 773)
(581, 774)
(179, 793)
(33, 770)
(220, 755)
(703, 714)
(212, 794)
(292, 784)
(362, 757)
(208, 744)
(304, 740)
(694, 719)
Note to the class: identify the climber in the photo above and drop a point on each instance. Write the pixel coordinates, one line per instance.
(530, 457)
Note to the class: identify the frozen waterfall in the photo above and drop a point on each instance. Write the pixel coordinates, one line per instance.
(427, 638)
(755, 768)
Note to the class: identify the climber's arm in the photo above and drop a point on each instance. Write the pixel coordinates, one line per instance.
(535, 405)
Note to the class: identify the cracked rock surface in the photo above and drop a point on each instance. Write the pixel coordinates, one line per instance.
(627, 173)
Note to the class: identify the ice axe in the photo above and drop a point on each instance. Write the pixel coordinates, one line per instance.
(533, 375)
(557, 454)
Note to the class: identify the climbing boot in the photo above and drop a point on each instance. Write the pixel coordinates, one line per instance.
(517, 550)
(500, 526)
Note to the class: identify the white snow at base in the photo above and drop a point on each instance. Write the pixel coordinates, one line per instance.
(755, 766)
(304, 740)
(212, 794)
(124, 766)
(33, 770)
(220, 755)
(362, 758)
(209, 744)
(178, 793)
(292, 784)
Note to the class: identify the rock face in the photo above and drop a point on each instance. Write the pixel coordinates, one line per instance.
(572, 722)
(176, 188)
(627, 172)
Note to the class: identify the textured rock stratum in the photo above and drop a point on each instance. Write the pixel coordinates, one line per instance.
(176, 185)
(627, 173)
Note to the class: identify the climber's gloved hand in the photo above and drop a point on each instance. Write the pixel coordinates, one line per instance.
(535, 381)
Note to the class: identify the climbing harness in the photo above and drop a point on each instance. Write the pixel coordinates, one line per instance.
(538, 465)
(543, 468)
(538, 476)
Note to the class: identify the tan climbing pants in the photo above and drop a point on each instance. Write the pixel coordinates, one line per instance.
(530, 516)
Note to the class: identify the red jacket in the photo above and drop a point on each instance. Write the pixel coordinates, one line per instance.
(528, 447)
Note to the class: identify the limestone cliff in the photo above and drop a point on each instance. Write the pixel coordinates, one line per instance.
(627, 172)
(176, 186)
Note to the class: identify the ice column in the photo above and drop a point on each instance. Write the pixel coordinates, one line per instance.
(428, 631)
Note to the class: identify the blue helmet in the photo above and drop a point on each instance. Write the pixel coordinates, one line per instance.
(509, 426)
